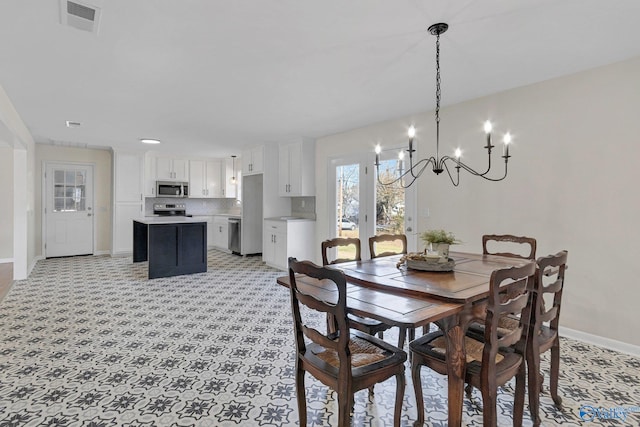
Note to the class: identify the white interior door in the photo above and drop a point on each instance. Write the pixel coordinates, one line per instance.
(68, 209)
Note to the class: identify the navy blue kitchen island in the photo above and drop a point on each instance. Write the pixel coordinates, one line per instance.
(173, 246)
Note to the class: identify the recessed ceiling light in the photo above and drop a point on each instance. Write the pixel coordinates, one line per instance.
(149, 141)
(71, 124)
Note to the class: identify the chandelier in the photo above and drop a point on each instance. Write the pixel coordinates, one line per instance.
(441, 164)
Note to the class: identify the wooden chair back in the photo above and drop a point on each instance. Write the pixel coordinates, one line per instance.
(336, 243)
(336, 309)
(387, 238)
(508, 281)
(507, 238)
(549, 280)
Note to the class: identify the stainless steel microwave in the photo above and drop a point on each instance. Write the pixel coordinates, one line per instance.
(172, 189)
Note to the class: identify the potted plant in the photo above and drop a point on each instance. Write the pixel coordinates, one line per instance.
(438, 241)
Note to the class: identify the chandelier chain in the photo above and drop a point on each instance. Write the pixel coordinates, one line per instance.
(438, 91)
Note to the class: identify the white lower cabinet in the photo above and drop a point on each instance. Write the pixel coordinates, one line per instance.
(210, 228)
(220, 232)
(287, 238)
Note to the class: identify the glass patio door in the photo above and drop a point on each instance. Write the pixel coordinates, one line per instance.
(361, 208)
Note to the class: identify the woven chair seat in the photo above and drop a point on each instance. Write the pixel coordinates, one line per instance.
(362, 353)
(472, 347)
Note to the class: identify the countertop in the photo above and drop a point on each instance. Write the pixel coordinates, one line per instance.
(229, 215)
(168, 220)
(288, 218)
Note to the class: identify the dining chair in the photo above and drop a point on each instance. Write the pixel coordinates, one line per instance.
(543, 330)
(364, 324)
(386, 238)
(340, 242)
(528, 243)
(346, 360)
(402, 239)
(493, 362)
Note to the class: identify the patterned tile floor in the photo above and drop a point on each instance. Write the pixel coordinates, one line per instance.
(90, 341)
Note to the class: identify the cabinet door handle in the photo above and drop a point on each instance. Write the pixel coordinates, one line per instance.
(274, 238)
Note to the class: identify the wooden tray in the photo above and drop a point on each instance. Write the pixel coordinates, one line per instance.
(431, 265)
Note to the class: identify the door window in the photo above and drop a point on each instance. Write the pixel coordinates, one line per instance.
(69, 188)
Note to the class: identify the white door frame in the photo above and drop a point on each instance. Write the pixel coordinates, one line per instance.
(43, 195)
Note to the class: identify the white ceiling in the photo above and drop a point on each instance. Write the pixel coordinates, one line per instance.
(208, 77)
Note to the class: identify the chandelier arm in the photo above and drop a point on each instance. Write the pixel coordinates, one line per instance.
(411, 165)
(473, 172)
(409, 171)
(446, 167)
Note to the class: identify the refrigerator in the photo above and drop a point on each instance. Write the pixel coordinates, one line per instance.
(251, 234)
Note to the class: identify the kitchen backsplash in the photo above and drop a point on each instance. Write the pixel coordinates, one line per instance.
(198, 206)
(304, 207)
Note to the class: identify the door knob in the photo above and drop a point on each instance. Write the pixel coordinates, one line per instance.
(409, 229)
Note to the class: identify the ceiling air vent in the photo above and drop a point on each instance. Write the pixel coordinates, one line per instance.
(79, 15)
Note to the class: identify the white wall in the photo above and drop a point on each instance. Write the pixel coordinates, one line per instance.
(16, 135)
(572, 183)
(102, 187)
(6, 195)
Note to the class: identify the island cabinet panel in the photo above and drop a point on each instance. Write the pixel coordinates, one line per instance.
(172, 249)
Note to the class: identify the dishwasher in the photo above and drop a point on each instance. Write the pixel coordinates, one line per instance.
(234, 235)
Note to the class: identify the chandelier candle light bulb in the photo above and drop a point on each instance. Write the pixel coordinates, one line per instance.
(507, 140)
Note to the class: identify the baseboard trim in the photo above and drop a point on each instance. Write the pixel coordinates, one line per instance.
(609, 343)
(6, 260)
(100, 253)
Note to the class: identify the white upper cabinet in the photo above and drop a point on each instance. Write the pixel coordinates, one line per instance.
(205, 179)
(128, 176)
(296, 169)
(150, 175)
(172, 169)
(253, 161)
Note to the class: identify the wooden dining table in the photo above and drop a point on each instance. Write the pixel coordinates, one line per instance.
(378, 289)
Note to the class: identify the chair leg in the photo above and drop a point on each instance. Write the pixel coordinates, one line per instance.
(331, 324)
(412, 334)
(533, 368)
(300, 393)
(426, 328)
(468, 390)
(381, 335)
(345, 408)
(402, 333)
(555, 373)
(417, 388)
(518, 400)
(400, 385)
(489, 411)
